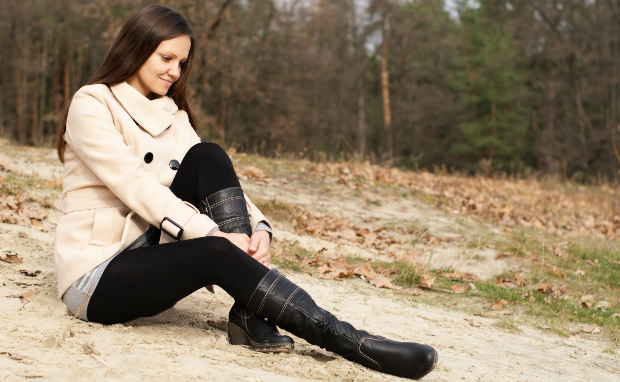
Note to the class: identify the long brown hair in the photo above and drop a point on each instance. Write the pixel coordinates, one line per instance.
(137, 40)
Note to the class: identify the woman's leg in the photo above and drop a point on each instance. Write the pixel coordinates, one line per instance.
(206, 172)
(285, 304)
(207, 179)
(144, 281)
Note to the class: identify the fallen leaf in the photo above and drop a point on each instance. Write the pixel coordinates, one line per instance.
(557, 272)
(18, 356)
(383, 282)
(427, 281)
(602, 305)
(502, 314)
(503, 255)
(586, 304)
(30, 273)
(471, 286)
(12, 258)
(24, 295)
(579, 272)
(593, 263)
(587, 297)
(615, 315)
(366, 271)
(542, 287)
(587, 328)
(459, 288)
(499, 305)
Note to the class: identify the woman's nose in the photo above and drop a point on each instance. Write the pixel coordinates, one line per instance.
(175, 71)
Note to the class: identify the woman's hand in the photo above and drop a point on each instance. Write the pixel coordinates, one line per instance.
(259, 248)
(241, 240)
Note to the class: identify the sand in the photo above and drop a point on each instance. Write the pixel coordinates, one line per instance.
(189, 342)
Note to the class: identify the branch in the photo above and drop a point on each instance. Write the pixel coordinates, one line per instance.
(218, 18)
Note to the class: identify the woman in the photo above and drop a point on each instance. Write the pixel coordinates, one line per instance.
(152, 214)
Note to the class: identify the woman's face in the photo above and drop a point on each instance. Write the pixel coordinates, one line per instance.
(162, 68)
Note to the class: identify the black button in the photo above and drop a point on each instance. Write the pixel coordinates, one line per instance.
(148, 157)
(174, 164)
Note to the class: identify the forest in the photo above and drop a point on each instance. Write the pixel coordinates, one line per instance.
(494, 86)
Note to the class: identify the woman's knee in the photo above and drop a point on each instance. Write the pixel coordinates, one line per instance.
(211, 153)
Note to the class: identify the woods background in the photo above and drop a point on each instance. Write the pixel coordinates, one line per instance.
(492, 85)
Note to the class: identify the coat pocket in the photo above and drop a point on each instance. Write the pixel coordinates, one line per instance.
(108, 226)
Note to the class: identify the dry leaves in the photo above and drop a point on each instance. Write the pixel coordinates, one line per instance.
(18, 356)
(30, 273)
(336, 269)
(593, 328)
(586, 300)
(554, 291)
(427, 281)
(22, 297)
(602, 305)
(545, 206)
(458, 276)
(12, 258)
(459, 288)
(556, 272)
(499, 305)
(14, 211)
(383, 282)
(512, 282)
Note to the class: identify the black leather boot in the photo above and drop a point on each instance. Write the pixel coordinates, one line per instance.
(285, 304)
(246, 328)
(228, 209)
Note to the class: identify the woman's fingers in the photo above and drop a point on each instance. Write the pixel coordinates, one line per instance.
(259, 247)
(241, 240)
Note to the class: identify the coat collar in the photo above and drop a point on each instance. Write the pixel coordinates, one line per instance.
(154, 116)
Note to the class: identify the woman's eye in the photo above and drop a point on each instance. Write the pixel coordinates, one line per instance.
(165, 58)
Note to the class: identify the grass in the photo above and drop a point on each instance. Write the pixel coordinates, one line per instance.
(290, 256)
(532, 250)
(537, 308)
(508, 325)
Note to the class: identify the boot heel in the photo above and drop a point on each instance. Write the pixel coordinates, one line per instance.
(236, 336)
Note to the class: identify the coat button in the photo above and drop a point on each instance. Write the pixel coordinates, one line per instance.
(148, 157)
(174, 164)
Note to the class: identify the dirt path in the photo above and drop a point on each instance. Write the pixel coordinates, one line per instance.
(188, 342)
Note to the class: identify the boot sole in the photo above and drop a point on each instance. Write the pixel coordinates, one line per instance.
(236, 336)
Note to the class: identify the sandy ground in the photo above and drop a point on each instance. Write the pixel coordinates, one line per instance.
(189, 342)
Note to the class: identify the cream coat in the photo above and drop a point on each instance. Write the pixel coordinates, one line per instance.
(110, 194)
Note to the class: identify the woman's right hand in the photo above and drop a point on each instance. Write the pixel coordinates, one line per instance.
(241, 240)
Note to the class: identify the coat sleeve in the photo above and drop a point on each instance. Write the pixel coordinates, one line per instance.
(91, 133)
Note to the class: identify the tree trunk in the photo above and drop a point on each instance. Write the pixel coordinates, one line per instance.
(361, 122)
(67, 72)
(385, 83)
(19, 101)
(34, 108)
(43, 88)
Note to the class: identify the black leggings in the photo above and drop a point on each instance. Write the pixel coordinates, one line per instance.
(145, 281)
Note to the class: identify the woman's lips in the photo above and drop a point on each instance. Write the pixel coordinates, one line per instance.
(167, 82)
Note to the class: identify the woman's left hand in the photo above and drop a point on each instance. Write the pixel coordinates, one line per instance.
(259, 248)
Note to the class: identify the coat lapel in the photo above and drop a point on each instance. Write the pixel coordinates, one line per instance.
(154, 116)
